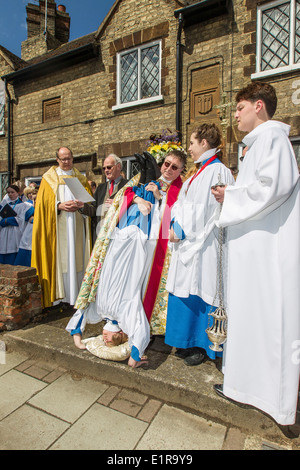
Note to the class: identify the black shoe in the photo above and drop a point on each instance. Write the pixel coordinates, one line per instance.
(218, 388)
(183, 353)
(194, 359)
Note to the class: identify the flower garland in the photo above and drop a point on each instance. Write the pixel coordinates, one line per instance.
(160, 145)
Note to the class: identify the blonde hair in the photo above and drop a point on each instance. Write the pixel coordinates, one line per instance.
(117, 339)
(28, 190)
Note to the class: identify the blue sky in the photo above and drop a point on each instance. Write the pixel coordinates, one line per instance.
(86, 16)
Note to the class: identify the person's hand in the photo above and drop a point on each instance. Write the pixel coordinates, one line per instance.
(109, 201)
(144, 206)
(68, 206)
(134, 364)
(154, 189)
(80, 204)
(218, 192)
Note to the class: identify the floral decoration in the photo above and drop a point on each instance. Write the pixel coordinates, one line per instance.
(160, 144)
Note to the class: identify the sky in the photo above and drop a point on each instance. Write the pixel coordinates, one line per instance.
(86, 17)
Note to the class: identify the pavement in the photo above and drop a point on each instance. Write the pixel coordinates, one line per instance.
(55, 396)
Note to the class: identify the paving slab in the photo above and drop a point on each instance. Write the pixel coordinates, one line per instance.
(174, 429)
(15, 389)
(28, 428)
(102, 428)
(11, 360)
(67, 398)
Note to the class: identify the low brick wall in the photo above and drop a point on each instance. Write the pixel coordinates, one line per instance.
(20, 296)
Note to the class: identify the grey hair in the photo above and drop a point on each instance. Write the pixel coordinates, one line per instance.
(115, 157)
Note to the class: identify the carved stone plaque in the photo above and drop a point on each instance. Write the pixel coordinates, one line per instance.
(205, 94)
(203, 103)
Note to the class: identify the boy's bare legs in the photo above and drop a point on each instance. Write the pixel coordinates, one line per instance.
(77, 341)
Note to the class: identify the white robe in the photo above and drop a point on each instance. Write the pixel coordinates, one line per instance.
(262, 213)
(123, 281)
(67, 262)
(11, 235)
(193, 267)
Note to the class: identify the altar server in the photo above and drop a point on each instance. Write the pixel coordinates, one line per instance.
(262, 213)
(192, 278)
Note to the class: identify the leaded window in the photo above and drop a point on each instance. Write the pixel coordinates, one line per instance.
(4, 182)
(139, 75)
(278, 37)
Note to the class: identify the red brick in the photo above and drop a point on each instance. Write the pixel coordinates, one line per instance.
(20, 296)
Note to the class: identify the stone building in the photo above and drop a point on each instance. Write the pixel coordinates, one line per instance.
(150, 66)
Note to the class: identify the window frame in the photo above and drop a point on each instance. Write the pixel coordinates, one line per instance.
(295, 140)
(2, 119)
(279, 70)
(49, 102)
(2, 107)
(139, 101)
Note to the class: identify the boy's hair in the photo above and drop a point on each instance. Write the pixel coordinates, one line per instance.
(209, 132)
(259, 91)
(117, 339)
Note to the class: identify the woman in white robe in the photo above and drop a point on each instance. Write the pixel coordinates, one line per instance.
(23, 257)
(12, 228)
(262, 213)
(192, 278)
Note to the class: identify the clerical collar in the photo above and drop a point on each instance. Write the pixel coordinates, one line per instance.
(206, 155)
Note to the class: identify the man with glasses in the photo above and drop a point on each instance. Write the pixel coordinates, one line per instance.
(61, 239)
(106, 192)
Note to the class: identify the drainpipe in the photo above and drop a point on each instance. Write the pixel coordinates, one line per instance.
(8, 132)
(178, 76)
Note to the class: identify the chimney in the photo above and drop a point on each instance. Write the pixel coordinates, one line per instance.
(45, 33)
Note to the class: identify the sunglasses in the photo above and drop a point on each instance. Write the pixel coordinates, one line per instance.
(108, 167)
(173, 167)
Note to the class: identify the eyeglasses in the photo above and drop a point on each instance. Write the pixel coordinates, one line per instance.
(173, 167)
(108, 167)
(65, 160)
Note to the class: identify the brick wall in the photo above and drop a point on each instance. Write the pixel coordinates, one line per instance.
(87, 93)
(87, 122)
(20, 296)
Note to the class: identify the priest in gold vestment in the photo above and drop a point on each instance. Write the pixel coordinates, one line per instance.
(61, 239)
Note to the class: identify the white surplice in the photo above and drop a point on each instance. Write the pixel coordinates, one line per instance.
(11, 235)
(123, 281)
(68, 267)
(262, 213)
(193, 267)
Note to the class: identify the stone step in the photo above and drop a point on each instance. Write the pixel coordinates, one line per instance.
(166, 377)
